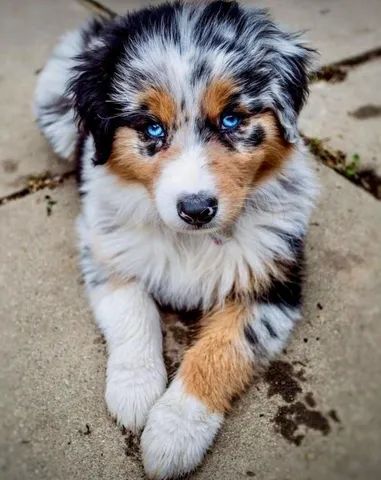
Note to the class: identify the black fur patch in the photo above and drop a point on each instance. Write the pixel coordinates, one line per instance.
(269, 328)
(256, 137)
(288, 293)
(78, 155)
(251, 336)
(215, 13)
(201, 71)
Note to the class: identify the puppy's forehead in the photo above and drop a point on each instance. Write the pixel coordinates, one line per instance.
(182, 60)
(208, 100)
(182, 78)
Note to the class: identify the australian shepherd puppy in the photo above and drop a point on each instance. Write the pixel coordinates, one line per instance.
(196, 193)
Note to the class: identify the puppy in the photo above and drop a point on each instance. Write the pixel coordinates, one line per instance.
(196, 193)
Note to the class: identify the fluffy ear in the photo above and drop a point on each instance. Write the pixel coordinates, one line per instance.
(292, 63)
(90, 88)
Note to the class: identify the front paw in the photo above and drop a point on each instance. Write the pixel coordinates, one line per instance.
(179, 430)
(131, 392)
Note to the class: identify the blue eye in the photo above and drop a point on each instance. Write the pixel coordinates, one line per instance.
(155, 130)
(230, 122)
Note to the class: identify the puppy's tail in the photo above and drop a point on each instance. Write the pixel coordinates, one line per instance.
(53, 106)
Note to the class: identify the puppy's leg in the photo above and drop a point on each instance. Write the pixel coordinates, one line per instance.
(130, 322)
(233, 343)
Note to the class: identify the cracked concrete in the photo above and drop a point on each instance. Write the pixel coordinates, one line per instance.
(28, 32)
(53, 422)
(35, 183)
(347, 115)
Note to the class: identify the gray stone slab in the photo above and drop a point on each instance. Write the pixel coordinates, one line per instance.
(28, 32)
(53, 359)
(347, 115)
(337, 28)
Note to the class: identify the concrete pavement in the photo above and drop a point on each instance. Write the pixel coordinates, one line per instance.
(347, 114)
(28, 32)
(315, 415)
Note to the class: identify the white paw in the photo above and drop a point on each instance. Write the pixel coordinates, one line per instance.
(130, 393)
(179, 430)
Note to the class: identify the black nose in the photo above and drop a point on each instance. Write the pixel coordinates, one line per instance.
(197, 209)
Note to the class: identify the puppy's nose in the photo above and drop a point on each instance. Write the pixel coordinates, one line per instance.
(197, 209)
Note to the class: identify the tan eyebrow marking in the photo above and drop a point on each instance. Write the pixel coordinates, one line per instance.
(161, 104)
(130, 165)
(216, 98)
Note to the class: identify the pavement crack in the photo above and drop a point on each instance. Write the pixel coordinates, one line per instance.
(35, 183)
(98, 8)
(337, 160)
(337, 72)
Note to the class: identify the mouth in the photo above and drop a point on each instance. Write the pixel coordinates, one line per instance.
(195, 229)
(199, 229)
(216, 235)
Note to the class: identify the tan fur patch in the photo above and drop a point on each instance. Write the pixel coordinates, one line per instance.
(216, 98)
(237, 172)
(161, 104)
(131, 166)
(216, 369)
(275, 148)
(125, 160)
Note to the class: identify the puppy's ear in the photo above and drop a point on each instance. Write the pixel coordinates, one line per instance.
(90, 89)
(292, 62)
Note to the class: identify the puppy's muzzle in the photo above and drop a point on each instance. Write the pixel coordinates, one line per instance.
(197, 209)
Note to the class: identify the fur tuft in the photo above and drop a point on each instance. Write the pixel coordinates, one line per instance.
(53, 107)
